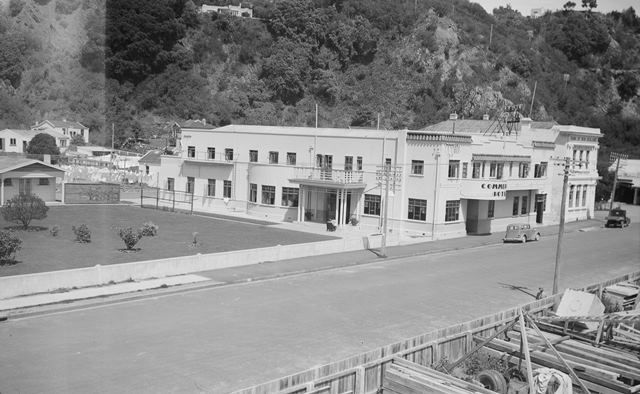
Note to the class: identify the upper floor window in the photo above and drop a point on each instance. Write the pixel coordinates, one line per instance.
(291, 158)
(586, 160)
(273, 157)
(493, 166)
(359, 163)
(63, 143)
(475, 172)
(500, 170)
(253, 156)
(523, 170)
(454, 168)
(348, 163)
(211, 153)
(191, 151)
(464, 169)
(540, 170)
(387, 162)
(228, 154)
(417, 167)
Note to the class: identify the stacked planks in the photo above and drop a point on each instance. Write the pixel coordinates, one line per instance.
(603, 370)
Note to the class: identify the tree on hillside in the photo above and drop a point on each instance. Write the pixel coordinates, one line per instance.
(590, 4)
(569, 6)
(24, 208)
(43, 144)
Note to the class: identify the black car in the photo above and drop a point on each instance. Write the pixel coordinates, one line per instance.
(617, 218)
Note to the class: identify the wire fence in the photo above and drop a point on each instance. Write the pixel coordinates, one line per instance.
(165, 199)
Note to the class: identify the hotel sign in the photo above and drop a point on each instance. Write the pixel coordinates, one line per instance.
(482, 189)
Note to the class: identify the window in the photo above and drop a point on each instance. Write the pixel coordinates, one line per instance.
(500, 171)
(578, 190)
(228, 154)
(580, 162)
(273, 157)
(43, 181)
(540, 199)
(253, 192)
(525, 205)
(359, 163)
(12, 141)
(253, 156)
(523, 170)
(291, 158)
(7, 182)
(211, 187)
(417, 167)
(191, 151)
(348, 163)
(1, 143)
(492, 209)
(387, 162)
(63, 143)
(146, 170)
(268, 195)
(493, 169)
(483, 166)
(540, 170)
(417, 209)
(573, 189)
(454, 168)
(584, 194)
(586, 159)
(372, 204)
(511, 170)
(211, 153)
(290, 196)
(190, 182)
(171, 184)
(516, 204)
(476, 170)
(452, 213)
(464, 169)
(226, 189)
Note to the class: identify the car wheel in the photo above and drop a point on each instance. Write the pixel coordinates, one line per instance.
(537, 238)
(524, 239)
(493, 380)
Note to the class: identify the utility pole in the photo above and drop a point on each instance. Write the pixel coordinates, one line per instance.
(490, 36)
(617, 157)
(565, 183)
(533, 98)
(383, 246)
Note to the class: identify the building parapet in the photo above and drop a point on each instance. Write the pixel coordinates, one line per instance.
(544, 144)
(435, 137)
(497, 157)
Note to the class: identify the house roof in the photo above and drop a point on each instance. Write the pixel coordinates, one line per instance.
(32, 133)
(62, 124)
(151, 157)
(11, 163)
(195, 124)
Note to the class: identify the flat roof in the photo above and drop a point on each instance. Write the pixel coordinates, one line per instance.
(306, 131)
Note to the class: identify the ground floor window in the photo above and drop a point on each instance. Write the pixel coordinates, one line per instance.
(525, 205)
(492, 209)
(226, 190)
(268, 195)
(584, 194)
(289, 196)
(171, 184)
(211, 187)
(372, 204)
(43, 181)
(253, 192)
(578, 190)
(571, 192)
(190, 182)
(417, 209)
(516, 204)
(542, 200)
(452, 212)
(7, 182)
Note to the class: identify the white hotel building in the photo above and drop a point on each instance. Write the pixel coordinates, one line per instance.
(454, 178)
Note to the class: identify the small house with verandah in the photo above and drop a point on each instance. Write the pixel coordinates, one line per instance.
(27, 176)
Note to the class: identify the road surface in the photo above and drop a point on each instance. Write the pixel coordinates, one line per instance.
(221, 339)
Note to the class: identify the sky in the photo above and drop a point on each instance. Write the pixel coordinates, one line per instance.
(525, 6)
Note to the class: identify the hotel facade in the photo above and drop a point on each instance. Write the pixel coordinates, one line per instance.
(454, 178)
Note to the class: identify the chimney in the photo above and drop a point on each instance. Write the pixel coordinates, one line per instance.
(485, 117)
(453, 116)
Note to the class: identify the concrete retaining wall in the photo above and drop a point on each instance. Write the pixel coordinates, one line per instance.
(14, 286)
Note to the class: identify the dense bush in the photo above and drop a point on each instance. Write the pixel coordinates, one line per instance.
(9, 246)
(54, 231)
(130, 237)
(149, 229)
(82, 232)
(24, 208)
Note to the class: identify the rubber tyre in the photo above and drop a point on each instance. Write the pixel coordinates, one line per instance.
(524, 239)
(493, 380)
(537, 238)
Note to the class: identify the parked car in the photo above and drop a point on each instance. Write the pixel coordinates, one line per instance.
(617, 218)
(521, 232)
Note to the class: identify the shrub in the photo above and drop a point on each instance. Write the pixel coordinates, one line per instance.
(130, 237)
(82, 232)
(149, 229)
(54, 231)
(9, 245)
(24, 208)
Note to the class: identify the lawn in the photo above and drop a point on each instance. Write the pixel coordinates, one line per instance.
(43, 252)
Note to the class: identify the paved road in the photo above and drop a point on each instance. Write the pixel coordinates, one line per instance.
(220, 339)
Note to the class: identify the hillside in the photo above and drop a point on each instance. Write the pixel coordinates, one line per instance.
(407, 63)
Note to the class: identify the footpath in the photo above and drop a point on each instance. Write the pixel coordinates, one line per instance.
(119, 292)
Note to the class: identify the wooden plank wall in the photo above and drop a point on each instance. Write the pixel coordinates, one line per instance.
(362, 374)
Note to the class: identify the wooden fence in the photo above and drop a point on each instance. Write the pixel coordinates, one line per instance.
(362, 374)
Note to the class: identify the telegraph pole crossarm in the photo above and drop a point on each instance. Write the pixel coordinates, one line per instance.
(615, 157)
